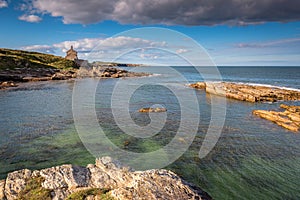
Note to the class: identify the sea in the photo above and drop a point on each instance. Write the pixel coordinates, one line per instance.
(42, 125)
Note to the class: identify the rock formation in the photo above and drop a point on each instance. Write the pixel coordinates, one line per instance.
(7, 84)
(147, 110)
(107, 179)
(250, 93)
(107, 72)
(10, 77)
(289, 119)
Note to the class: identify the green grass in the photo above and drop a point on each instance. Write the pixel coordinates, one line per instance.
(34, 190)
(82, 194)
(11, 59)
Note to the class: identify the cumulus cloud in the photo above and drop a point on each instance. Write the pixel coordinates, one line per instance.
(30, 18)
(105, 44)
(100, 48)
(3, 4)
(40, 48)
(191, 12)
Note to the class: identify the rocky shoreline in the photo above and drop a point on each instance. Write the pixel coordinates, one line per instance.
(12, 77)
(106, 179)
(18, 66)
(289, 119)
(107, 72)
(246, 92)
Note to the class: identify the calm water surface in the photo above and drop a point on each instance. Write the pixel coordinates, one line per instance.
(253, 159)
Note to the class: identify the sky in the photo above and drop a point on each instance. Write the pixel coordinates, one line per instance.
(231, 32)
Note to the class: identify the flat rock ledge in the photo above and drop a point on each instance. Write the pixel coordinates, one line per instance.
(289, 118)
(250, 93)
(156, 110)
(106, 179)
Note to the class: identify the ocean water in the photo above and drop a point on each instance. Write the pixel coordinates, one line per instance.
(253, 158)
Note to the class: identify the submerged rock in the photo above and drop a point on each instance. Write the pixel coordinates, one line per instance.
(289, 119)
(147, 110)
(7, 84)
(250, 93)
(107, 178)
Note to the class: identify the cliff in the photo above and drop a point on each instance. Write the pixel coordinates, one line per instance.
(107, 179)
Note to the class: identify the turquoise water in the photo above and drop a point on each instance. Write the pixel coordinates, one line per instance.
(253, 159)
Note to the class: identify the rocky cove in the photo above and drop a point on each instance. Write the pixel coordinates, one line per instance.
(106, 179)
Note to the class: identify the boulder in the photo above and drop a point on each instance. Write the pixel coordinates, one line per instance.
(65, 176)
(16, 182)
(106, 177)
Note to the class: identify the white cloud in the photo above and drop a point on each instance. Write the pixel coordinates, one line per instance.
(268, 44)
(180, 51)
(3, 4)
(30, 18)
(40, 48)
(191, 12)
(99, 48)
(107, 44)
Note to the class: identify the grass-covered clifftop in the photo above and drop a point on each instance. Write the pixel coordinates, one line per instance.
(11, 59)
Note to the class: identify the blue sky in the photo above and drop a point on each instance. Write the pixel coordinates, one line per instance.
(237, 32)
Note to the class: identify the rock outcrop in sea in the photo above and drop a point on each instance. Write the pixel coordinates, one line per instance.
(149, 110)
(247, 92)
(289, 118)
(107, 179)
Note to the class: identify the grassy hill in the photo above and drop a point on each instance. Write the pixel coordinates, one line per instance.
(11, 59)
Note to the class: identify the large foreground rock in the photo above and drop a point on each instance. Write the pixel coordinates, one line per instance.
(289, 119)
(246, 92)
(106, 178)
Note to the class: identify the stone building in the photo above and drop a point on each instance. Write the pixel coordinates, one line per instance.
(71, 54)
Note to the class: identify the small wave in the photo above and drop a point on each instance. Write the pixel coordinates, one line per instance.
(154, 75)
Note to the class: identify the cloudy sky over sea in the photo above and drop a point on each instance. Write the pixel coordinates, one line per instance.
(233, 32)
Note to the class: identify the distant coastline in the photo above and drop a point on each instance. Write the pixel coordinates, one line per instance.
(18, 66)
